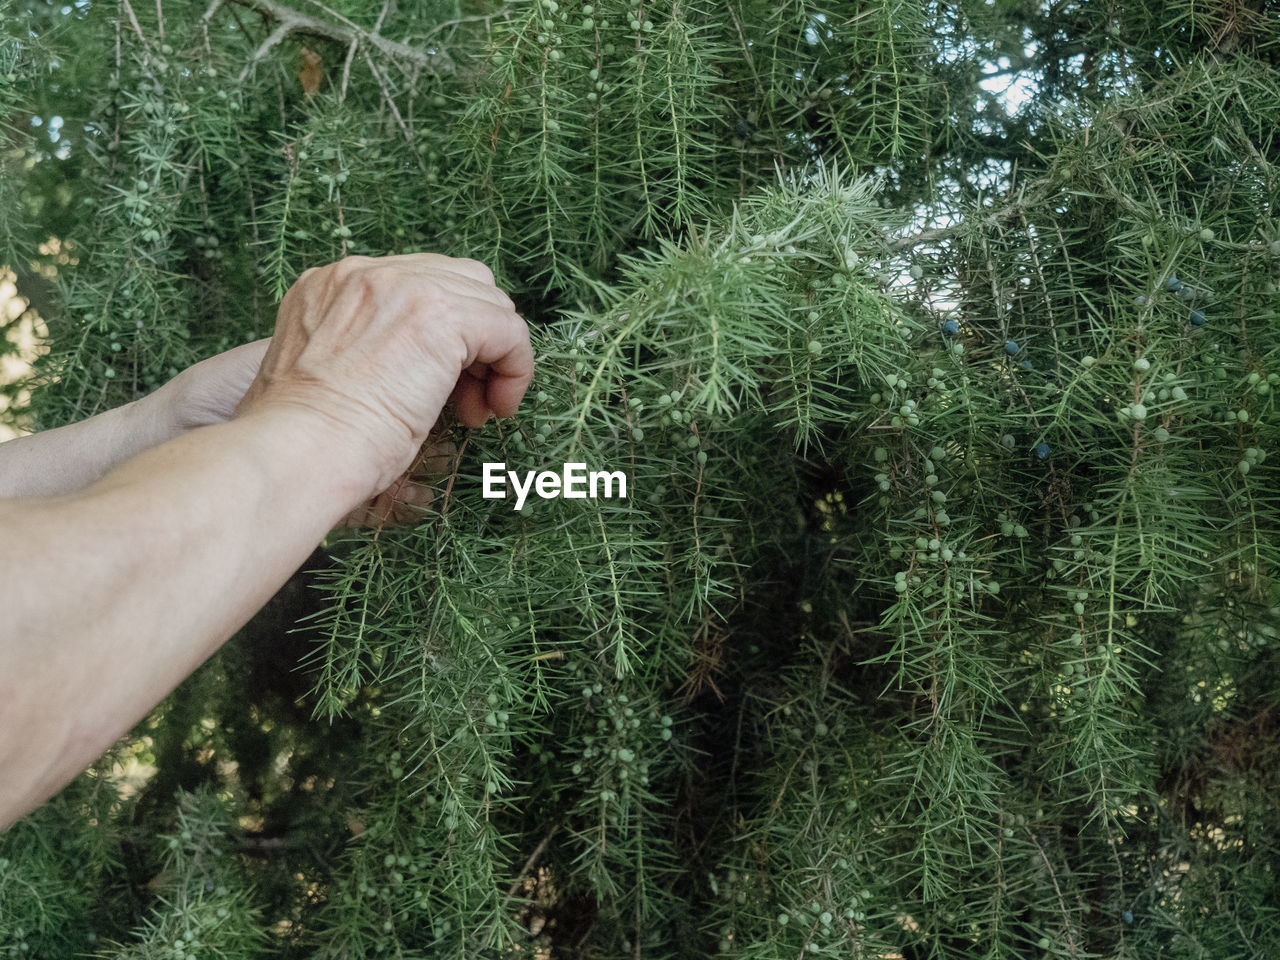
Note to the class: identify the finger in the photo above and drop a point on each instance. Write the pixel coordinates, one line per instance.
(472, 276)
(472, 286)
(247, 358)
(503, 347)
(509, 378)
(469, 402)
(438, 261)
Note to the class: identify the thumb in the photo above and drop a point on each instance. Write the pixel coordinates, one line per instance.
(244, 362)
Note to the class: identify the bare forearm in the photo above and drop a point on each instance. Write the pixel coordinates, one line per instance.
(53, 463)
(112, 596)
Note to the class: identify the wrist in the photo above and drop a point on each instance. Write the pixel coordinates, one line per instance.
(307, 443)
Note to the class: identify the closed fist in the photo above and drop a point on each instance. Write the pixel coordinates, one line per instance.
(375, 347)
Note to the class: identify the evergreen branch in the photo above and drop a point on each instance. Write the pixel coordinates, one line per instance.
(290, 21)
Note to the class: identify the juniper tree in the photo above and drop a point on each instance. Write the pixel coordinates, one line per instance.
(940, 617)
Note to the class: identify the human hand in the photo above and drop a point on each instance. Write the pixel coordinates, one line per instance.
(206, 393)
(374, 347)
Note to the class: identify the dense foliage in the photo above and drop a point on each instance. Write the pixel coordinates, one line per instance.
(939, 344)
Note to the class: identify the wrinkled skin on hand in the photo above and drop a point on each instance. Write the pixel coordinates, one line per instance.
(319, 356)
(376, 347)
(207, 393)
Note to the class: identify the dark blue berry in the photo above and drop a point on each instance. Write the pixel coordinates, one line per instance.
(1128, 917)
(1026, 364)
(1011, 347)
(1042, 450)
(951, 328)
(1173, 284)
(1197, 318)
(742, 129)
(1140, 300)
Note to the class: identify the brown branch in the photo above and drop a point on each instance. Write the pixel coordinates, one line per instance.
(290, 21)
(533, 859)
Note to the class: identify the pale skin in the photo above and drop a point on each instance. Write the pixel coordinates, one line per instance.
(151, 533)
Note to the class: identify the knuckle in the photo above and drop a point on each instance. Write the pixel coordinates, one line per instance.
(348, 267)
(430, 299)
(480, 269)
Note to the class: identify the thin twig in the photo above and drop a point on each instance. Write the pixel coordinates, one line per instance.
(1062, 904)
(133, 22)
(274, 37)
(346, 69)
(538, 851)
(386, 95)
(485, 18)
